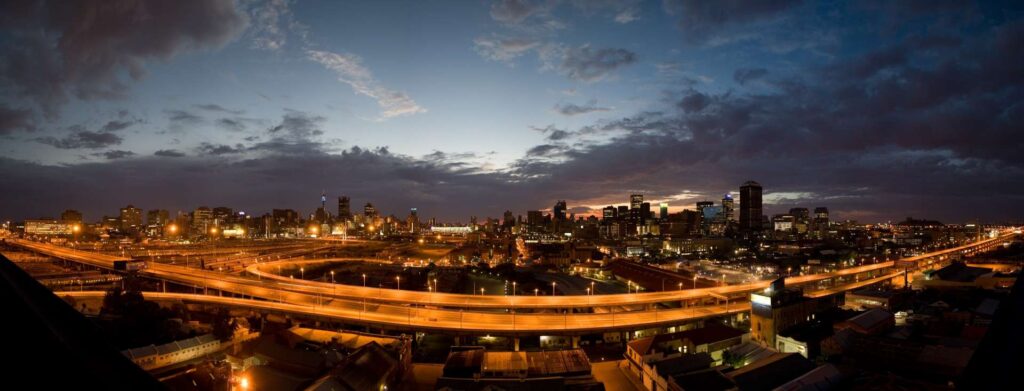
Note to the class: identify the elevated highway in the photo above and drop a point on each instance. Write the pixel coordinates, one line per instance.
(459, 312)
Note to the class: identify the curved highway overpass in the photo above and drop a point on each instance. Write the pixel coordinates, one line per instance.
(445, 311)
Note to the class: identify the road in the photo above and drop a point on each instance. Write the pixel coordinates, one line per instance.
(444, 311)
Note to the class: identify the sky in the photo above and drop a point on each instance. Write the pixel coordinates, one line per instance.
(878, 110)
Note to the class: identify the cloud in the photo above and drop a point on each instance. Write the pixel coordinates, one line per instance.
(116, 125)
(15, 119)
(231, 124)
(53, 51)
(517, 11)
(584, 63)
(183, 117)
(544, 150)
(169, 153)
(298, 125)
(218, 109)
(82, 139)
(570, 109)
(694, 102)
(620, 11)
(267, 18)
(716, 22)
(503, 49)
(219, 149)
(626, 16)
(746, 75)
(350, 70)
(115, 154)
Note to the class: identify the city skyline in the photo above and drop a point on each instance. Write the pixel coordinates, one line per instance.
(878, 112)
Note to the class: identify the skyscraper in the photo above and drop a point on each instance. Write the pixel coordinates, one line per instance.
(635, 200)
(344, 209)
(131, 218)
(664, 211)
(369, 211)
(728, 208)
(413, 221)
(608, 213)
(559, 210)
(750, 206)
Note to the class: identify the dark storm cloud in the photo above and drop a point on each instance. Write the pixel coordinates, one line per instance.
(59, 49)
(15, 119)
(746, 75)
(82, 139)
(169, 153)
(570, 109)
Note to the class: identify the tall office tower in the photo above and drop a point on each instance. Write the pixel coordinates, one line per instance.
(222, 214)
(702, 205)
(645, 211)
(131, 218)
(821, 217)
(635, 200)
(559, 210)
(622, 212)
(534, 218)
(344, 208)
(664, 211)
(369, 211)
(158, 217)
(608, 213)
(71, 215)
(201, 219)
(728, 208)
(508, 219)
(413, 221)
(750, 206)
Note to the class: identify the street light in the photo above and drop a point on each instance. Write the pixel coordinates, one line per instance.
(535, 291)
(513, 288)
(398, 281)
(680, 286)
(481, 291)
(552, 288)
(302, 271)
(364, 280)
(694, 281)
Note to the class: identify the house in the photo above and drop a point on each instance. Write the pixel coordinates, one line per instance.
(712, 339)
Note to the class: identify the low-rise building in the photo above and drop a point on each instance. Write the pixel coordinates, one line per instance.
(153, 356)
(643, 354)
